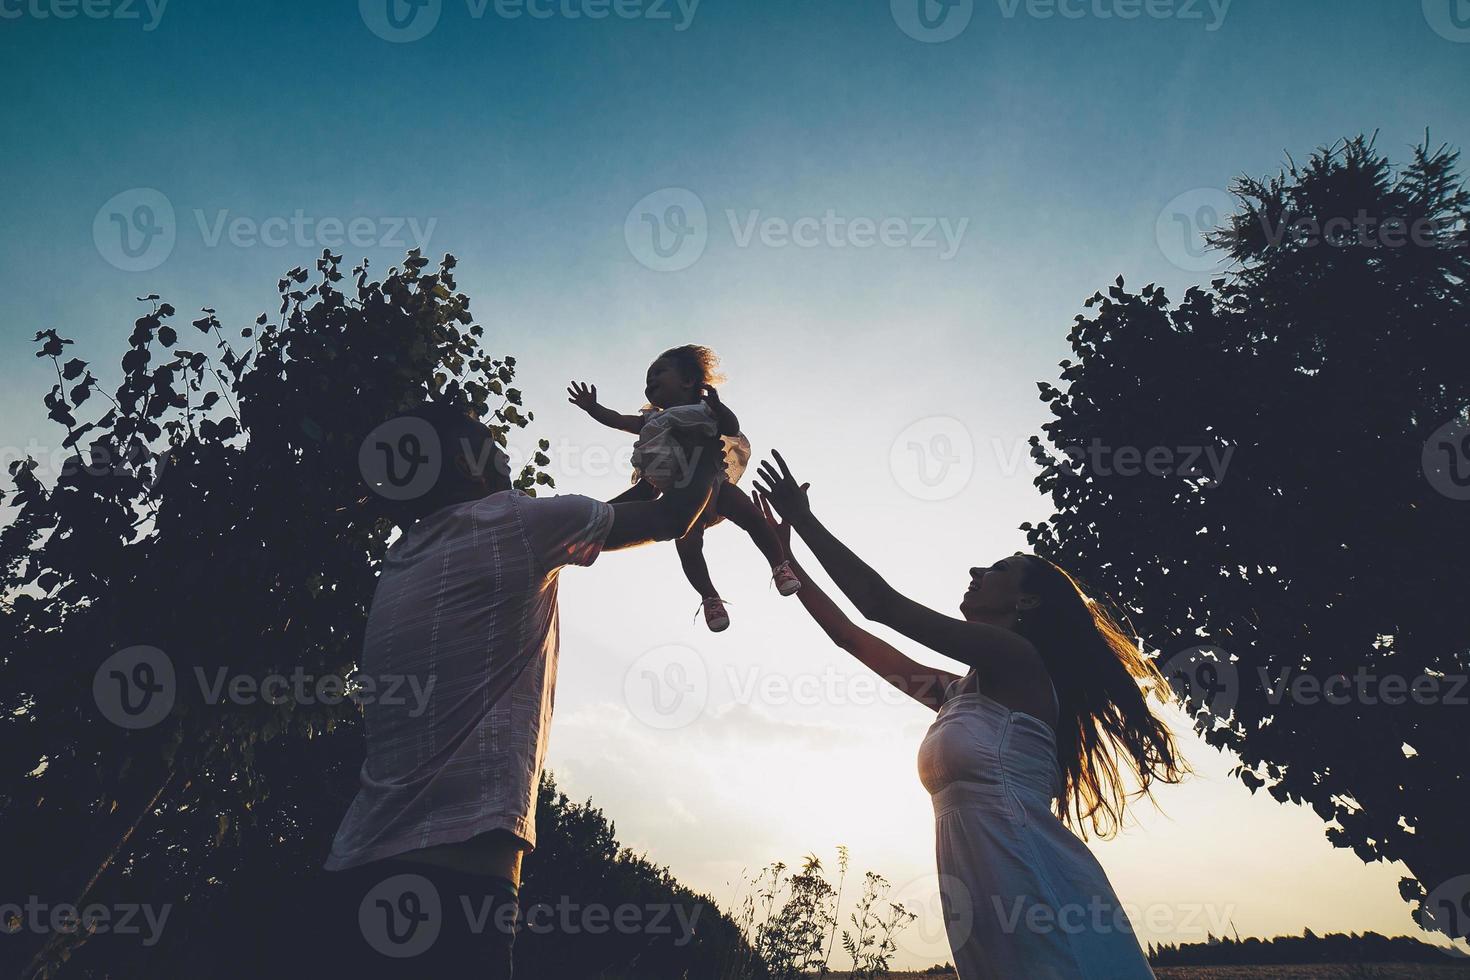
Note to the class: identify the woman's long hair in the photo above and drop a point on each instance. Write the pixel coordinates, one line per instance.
(1103, 681)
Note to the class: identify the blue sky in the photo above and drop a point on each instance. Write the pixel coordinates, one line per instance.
(818, 151)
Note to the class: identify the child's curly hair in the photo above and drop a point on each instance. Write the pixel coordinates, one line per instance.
(698, 363)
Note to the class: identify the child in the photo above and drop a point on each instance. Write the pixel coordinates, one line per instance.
(682, 398)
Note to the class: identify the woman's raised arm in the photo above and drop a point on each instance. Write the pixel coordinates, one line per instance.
(989, 649)
(925, 685)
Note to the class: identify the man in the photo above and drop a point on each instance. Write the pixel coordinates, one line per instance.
(465, 611)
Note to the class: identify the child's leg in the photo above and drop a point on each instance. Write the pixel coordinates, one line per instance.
(735, 505)
(691, 556)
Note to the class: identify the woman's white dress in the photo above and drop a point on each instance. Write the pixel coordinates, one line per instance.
(1023, 897)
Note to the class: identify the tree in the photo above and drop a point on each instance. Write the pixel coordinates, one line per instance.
(1270, 478)
(579, 875)
(210, 523)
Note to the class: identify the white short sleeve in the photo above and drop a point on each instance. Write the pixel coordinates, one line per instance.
(565, 530)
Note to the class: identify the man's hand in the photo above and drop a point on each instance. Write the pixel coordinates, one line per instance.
(583, 396)
(783, 492)
(711, 395)
(674, 513)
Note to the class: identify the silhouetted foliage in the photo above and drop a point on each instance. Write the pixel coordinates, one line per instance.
(668, 931)
(1306, 948)
(1317, 371)
(212, 510)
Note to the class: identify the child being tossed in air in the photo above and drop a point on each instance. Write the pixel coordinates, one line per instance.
(682, 400)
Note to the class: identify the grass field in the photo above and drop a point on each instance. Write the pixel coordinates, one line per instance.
(1384, 971)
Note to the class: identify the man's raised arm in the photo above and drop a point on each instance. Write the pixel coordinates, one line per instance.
(671, 516)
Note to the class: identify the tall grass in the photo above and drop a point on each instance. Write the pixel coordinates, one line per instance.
(791, 923)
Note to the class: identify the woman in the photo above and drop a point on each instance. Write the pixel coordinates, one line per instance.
(1033, 739)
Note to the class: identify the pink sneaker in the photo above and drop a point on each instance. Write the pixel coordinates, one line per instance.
(715, 616)
(786, 581)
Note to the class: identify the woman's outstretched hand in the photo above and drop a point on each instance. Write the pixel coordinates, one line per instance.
(782, 491)
(781, 528)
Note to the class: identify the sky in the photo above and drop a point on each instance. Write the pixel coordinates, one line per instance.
(883, 216)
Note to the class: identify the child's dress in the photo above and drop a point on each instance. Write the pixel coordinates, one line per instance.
(656, 453)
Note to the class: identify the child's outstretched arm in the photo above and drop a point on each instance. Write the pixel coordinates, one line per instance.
(585, 397)
(729, 424)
